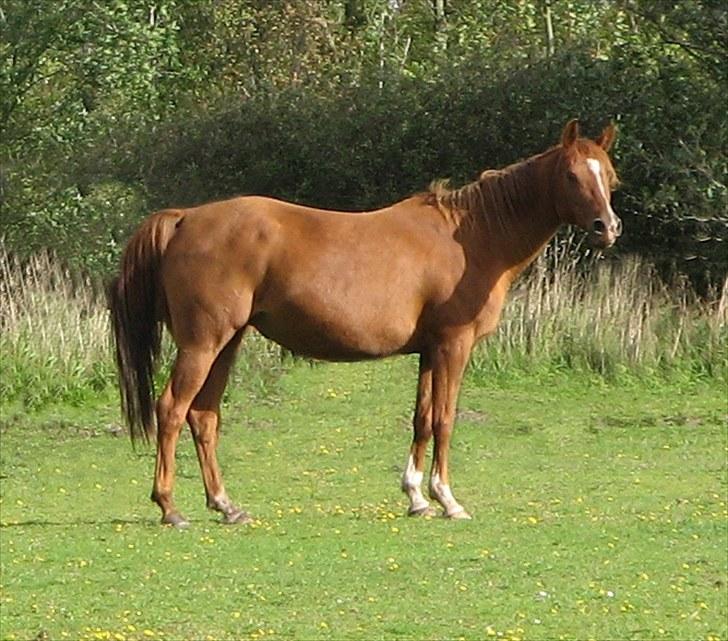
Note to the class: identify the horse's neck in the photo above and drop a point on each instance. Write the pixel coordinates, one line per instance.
(519, 235)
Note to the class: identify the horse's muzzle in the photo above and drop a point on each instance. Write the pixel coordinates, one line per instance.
(603, 235)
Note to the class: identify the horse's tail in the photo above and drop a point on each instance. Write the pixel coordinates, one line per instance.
(138, 307)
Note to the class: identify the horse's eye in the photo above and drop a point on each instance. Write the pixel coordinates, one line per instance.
(572, 176)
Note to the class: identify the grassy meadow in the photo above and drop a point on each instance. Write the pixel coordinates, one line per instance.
(591, 448)
(600, 512)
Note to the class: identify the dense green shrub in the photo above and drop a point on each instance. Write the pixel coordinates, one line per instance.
(109, 110)
(366, 146)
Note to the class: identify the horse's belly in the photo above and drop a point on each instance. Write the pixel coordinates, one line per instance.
(335, 336)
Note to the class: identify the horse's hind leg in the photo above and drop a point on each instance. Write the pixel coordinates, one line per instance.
(204, 419)
(188, 376)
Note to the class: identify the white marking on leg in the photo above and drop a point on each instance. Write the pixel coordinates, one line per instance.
(222, 502)
(411, 482)
(232, 513)
(443, 495)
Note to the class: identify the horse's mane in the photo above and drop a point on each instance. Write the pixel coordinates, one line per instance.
(496, 196)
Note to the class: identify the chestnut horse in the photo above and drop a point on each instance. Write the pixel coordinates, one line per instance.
(427, 275)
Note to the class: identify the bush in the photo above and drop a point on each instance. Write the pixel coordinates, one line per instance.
(368, 146)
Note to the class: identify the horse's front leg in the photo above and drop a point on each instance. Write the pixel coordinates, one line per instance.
(448, 366)
(422, 424)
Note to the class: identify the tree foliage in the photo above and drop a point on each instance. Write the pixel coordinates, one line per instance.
(108, 110)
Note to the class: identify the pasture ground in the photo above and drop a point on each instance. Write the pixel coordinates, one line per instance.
(600, 512)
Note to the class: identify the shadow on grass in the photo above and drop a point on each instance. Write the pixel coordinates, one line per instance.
(148, 522)
(141, 521)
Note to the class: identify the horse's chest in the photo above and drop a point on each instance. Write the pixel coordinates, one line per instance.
(489, 316)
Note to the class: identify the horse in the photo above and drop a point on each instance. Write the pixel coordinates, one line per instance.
(427, 275)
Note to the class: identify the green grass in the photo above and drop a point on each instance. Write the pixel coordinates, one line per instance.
(600, 512)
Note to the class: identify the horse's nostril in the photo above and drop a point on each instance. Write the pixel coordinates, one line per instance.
(598, 227)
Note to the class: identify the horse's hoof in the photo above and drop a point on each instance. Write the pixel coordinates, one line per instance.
(175, 519)
(426, 510)
(239, 517)
(460, 515)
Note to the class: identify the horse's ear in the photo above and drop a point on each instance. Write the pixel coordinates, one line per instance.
(606, 138)
(570, 133)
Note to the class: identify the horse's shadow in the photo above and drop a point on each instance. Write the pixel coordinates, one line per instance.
(141, 521)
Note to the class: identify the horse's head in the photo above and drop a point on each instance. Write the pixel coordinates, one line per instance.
(584, 180)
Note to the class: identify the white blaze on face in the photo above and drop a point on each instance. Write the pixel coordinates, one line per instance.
(596, 168)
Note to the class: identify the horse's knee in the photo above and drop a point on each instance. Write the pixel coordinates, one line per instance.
(170, 416)
(422, 425)
(442, 426)
(203, 424)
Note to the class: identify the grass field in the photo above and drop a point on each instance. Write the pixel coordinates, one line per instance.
(600, 512)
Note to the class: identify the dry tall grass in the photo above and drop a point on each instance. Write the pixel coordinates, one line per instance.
(607, 317)
(54, 338)
(611, 319)
(55, 341)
